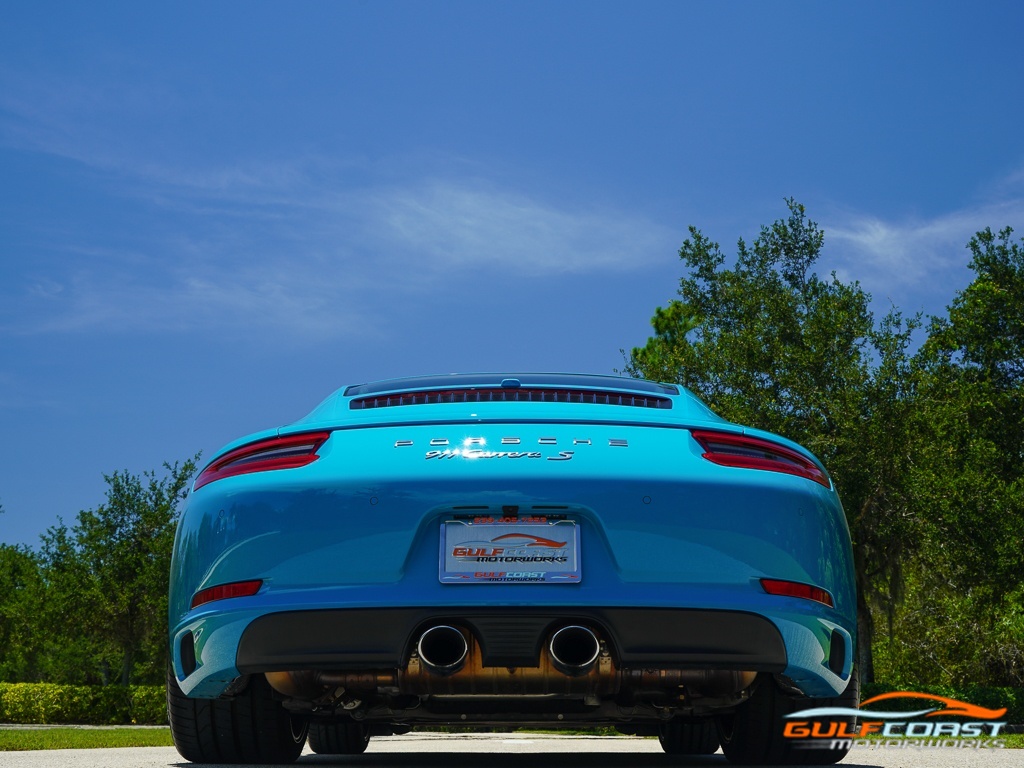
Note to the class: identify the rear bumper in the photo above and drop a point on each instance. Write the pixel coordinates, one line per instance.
(798, 641)
(512, 637)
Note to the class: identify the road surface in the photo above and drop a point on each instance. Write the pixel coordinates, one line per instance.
(510, 750)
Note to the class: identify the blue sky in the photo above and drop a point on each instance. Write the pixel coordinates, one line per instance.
(214, 214)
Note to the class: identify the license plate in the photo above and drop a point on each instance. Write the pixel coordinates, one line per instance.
(499, 551)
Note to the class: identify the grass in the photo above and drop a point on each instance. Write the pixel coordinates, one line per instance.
(18, 739)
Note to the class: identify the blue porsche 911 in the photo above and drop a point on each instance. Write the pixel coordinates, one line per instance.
(543, 550)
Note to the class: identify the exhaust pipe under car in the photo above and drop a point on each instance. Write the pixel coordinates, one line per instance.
(574, 650)
(448, 661)
(443, 649)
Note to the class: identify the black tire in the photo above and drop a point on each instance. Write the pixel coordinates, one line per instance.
(252, 727)
(338, 738)
(848, 698)
(753, 733)
(694, 737)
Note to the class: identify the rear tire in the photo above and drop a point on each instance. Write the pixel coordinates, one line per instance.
(694, 737)
(252, 727)
(753, 733)
(338, 738)
(848, 698)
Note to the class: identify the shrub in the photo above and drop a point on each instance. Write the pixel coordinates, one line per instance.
(82, 704)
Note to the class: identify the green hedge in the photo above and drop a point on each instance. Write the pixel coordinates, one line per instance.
(992, 698)
(147, 704)
(85, 704)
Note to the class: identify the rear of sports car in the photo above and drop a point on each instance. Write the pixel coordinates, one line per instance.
(481, 550)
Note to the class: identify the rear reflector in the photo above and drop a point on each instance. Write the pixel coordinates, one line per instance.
(796, 589)
(224, 591)
(733, 450)
(286, 452)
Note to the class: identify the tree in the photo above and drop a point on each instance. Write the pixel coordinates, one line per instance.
(108, 576)
(768, 342)
(20, 590)
(970, 472)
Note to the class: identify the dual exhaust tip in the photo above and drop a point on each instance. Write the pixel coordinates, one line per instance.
(443, 649)
(574, 649)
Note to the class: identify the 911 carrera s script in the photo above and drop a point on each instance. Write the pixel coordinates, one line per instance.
(476, 453)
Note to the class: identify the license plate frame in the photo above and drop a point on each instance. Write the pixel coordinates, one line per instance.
(485, 550)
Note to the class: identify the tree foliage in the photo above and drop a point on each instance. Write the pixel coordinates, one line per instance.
(20, 593)
(969, 474)
(766, 341)
(91, 605)
(926, 445)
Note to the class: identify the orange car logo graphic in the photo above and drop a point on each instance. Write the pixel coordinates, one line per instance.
(537, 540)
(952, 706)
(949, 707)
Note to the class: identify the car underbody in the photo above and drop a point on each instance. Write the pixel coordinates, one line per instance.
(516, 666)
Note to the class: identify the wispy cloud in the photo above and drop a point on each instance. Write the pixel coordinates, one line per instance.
(289, 298)
(317, 261)
(317, 246)
(100, 122)
(308, 244)
(462, 225)
(327, 252)
(916, 263)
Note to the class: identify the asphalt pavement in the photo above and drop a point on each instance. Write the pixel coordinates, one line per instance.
(511, 750)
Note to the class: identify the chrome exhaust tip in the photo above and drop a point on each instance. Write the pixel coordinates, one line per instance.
(574, 650)
(443, 649)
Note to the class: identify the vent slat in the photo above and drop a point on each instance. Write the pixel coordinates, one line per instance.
(530, 395)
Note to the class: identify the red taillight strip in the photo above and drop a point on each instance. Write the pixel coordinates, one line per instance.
(286, 452)
(733, 450)
(224, 591)
(797, 589)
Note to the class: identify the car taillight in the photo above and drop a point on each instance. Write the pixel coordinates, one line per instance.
(224, 591)
(732, 450)
(797, 589)
(286, 452)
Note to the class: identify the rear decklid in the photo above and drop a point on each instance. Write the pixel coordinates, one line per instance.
(482, 397)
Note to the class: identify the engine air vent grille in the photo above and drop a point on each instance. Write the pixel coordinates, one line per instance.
(511, 395)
